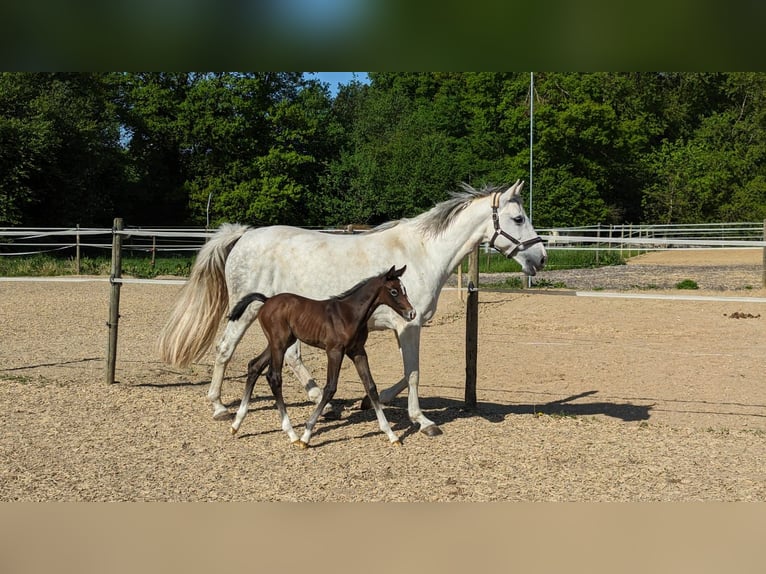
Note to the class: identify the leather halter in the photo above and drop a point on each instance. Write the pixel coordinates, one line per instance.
(496, 222)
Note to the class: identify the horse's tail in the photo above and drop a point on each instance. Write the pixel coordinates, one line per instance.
(201, 304)
(243, 303)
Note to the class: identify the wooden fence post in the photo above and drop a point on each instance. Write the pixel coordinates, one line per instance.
(764, 255)
(114, 300)
(472, 329)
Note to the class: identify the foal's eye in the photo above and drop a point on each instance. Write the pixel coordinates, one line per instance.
(519, 219)
(394, 293)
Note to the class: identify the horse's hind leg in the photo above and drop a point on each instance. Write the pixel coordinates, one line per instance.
(225, 349)
(295, 362)
(363, 368)
(254, 370)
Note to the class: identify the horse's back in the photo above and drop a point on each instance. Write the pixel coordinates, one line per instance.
(319, 265)
(311, 263)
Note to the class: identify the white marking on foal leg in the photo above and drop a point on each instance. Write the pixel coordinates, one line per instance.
(288, 428)
(383, 423)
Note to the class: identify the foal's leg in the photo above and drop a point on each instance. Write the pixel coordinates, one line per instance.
(334, 361)
(254, 370)
(225, 349)
(363, 368)
(274, 377)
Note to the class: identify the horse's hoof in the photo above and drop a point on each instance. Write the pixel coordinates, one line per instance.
(366, 403)
(221, 415)
(315, 394)
(302, 445)
(431, 430)
(233, 430)
(396, 442)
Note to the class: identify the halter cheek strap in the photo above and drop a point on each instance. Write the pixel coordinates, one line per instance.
(496, 223)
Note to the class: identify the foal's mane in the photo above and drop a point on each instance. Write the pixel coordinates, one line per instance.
(438, 219)
(354, 289)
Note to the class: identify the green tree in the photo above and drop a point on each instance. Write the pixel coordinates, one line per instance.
(60, 157)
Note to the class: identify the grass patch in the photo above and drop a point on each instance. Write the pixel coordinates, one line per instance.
(547, 284)
(48, 265)
(44, 265)
(559, 259)
(687, 284)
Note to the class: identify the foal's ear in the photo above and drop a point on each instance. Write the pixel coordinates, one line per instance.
(393, 273)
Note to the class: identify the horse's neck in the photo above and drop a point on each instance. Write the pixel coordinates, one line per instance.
(447, 249)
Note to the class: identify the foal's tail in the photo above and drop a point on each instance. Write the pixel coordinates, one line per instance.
(201, 304)
(243, 303)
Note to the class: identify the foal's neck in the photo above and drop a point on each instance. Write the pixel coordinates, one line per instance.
(365, 301)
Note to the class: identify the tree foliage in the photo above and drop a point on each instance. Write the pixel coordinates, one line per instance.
(276, 147)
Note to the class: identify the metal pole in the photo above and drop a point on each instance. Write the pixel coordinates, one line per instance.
(114, 300)
(77, 251)
(531, 138)
(472, 329)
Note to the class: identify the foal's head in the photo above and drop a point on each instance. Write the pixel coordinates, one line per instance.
(394, 294)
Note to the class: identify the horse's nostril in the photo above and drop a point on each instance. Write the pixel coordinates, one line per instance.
(543, 261)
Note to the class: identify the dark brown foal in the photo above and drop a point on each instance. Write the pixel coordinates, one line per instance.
(338, 325)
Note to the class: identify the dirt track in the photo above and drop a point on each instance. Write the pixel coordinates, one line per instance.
(580, 399)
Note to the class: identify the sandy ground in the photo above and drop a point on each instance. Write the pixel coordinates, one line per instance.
(580, 399)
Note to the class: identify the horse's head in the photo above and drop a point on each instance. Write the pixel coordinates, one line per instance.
(394, 294)
(511, 232)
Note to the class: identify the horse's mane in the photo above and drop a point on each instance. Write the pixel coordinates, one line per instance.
(437, 219)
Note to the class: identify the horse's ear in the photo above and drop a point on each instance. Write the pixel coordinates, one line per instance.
(512, 193)
(401, 271)
(516, 188)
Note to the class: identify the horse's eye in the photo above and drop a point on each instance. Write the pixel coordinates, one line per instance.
(519, 219)
(394, 293)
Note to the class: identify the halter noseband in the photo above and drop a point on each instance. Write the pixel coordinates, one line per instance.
(496, 222)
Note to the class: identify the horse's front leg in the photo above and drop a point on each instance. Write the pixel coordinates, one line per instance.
(334, 361)
(363, 368)
(409, 341)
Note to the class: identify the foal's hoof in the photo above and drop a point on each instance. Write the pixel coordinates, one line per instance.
(396, 443)
(233, 431)
(301, 445)
(431, 430)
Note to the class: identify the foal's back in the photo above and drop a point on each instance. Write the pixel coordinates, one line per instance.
(323, 324)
